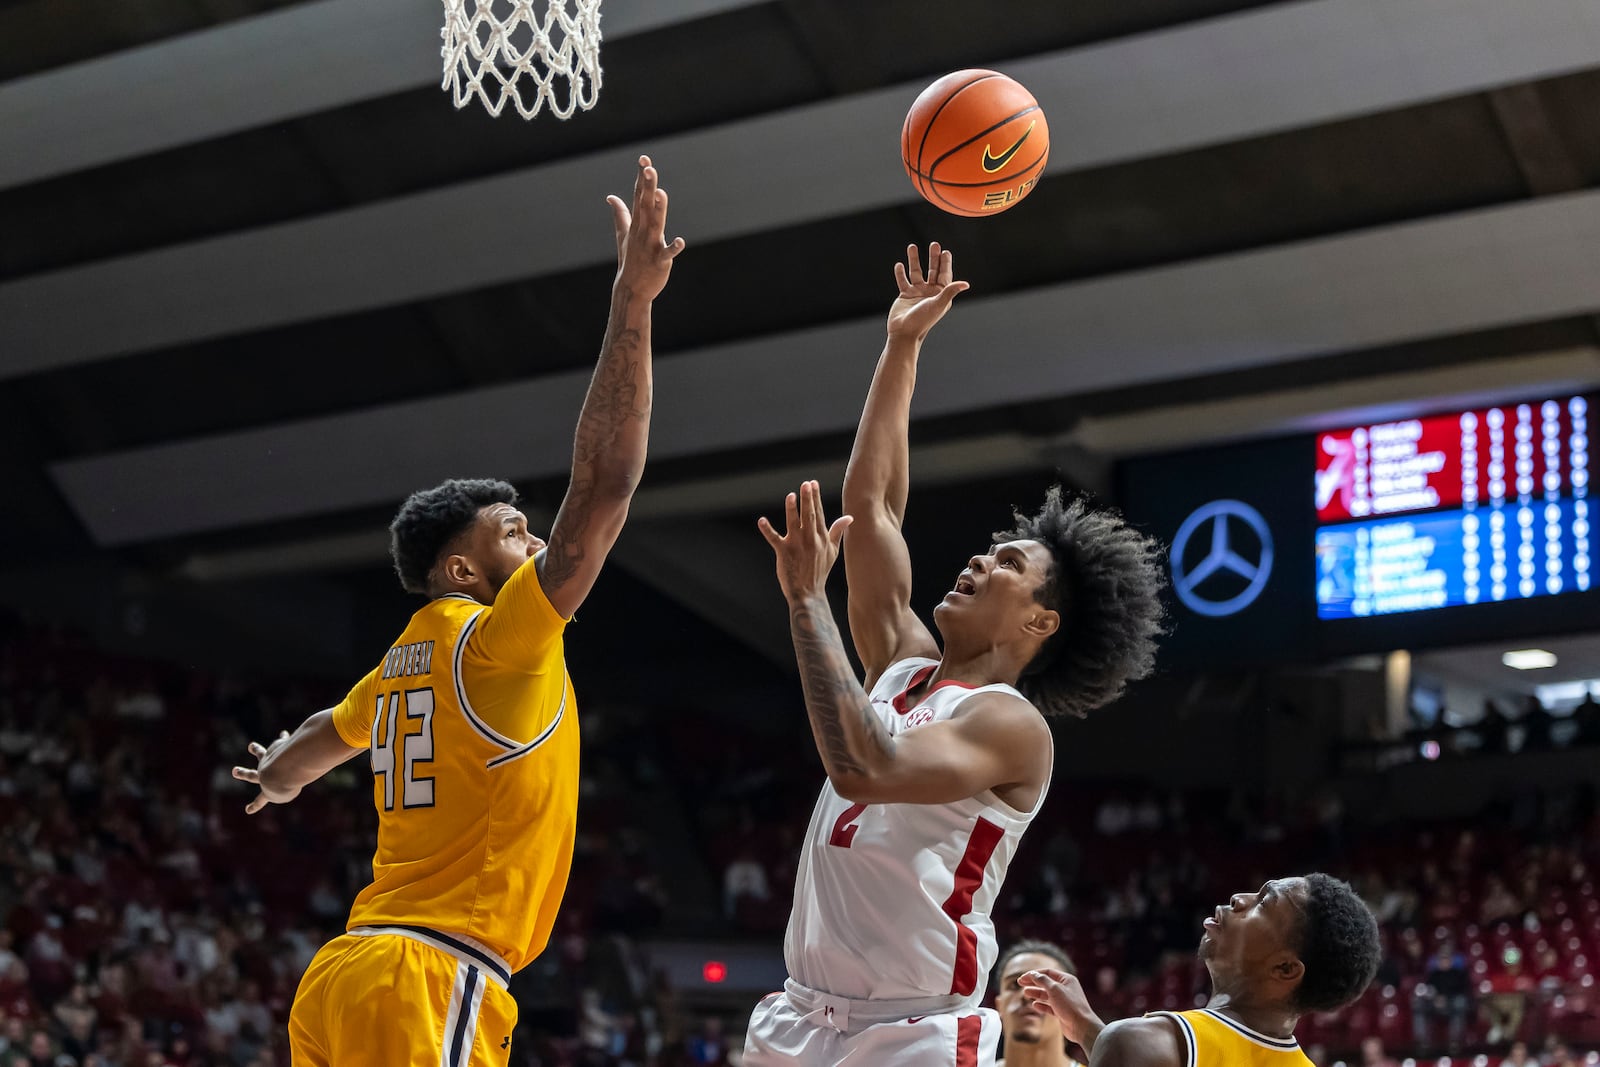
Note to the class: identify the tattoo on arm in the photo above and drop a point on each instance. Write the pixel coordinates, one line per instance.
(849, 736)
(610, 442)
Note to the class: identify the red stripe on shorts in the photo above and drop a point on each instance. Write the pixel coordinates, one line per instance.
(986, 836)
(969, 1028)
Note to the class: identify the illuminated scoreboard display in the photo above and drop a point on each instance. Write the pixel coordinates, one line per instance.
(1470, 507)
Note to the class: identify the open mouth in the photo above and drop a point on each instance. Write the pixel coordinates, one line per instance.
(1215, 920)
(965, 586)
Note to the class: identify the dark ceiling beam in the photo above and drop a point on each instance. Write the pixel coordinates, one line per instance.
(846, 67)
(1326, 405)
(1543, 157)
(1546, 162)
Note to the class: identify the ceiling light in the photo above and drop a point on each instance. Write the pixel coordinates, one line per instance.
(1529, 659)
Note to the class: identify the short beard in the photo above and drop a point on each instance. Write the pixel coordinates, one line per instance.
(1025, 1039)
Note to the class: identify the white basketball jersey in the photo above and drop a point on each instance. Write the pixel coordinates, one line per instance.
(892, 901)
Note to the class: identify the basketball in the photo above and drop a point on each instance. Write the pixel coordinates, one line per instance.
(975, 143)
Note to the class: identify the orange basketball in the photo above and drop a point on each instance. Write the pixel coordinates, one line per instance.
(975, 143)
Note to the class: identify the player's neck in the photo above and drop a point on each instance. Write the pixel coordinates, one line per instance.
(1273, 1020)
(976, 667)
(1041, 1054)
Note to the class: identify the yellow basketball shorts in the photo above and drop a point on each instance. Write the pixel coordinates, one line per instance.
(402, 996)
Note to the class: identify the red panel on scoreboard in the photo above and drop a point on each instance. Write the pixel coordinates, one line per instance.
(1510, 452)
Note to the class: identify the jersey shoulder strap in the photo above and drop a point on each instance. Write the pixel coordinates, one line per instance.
(896, 678)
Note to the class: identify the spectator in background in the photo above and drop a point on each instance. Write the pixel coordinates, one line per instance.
(1518, 1057)
(1114, 817)
(41, 1050)
(76, 1017)
(251, 1010)
(1508, 997)
(709, 1047)
(1397, 904)
(594, 1022)
(1499, 903)
(745, 877)
(1559, 1054)
(1147, 815)
(1328, 821)
(664, 1004)
(1494, 729)
(1373, 1054)
(1587, 718)
(1537, 723)
(1445, 992)
(7, 957)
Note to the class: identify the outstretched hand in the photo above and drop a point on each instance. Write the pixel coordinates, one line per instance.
(809, 547)
(253, 776)
(1061, 994)
(923, 300)
(644, 256)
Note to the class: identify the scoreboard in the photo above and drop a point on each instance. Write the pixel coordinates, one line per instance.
(1450, 527)
(1461, 508)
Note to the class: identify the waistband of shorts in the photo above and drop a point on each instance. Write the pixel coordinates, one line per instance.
(859, 1013)
(467, 950)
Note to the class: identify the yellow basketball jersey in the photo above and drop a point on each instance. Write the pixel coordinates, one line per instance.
(1212, 1039)
(472, 728)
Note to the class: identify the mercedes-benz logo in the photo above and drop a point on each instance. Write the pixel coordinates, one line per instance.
(1221, 558)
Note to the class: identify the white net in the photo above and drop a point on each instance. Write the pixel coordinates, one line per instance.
(534, 53)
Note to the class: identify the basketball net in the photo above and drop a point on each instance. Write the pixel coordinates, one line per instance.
(535, 53)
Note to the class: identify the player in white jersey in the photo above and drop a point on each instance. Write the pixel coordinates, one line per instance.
(939, 762)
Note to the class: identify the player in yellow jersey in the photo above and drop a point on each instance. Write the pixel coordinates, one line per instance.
(1296, 945)
(471, 726)
(1031, 1034)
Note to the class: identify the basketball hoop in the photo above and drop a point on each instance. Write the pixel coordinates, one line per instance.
(532, 52)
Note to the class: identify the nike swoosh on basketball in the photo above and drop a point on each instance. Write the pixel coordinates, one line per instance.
(992, 163)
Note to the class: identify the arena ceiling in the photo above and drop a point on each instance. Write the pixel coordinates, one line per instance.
(258, 278)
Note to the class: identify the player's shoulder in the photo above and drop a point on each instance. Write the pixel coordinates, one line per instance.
(1002, 709)
(1147, 1041)
(447, 617)
(448, 607)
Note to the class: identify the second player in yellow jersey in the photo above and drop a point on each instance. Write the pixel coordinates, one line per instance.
(1295, 945)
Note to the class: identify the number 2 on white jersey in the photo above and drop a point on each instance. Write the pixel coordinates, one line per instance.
(844, 830)
(394, 747)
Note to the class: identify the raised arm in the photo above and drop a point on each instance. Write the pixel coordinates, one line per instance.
(1000, 742)
(608, 450)
(877, 565)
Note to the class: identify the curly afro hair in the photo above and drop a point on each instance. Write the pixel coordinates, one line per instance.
(431, 519)
(1035, 947)
(1338, 945)
(1106, 583)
